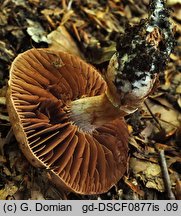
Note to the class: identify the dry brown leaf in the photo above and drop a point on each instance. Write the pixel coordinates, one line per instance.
(104, 19)
(145, 156)
(9, 190)
(66, 16)
(173, 160)
(134, 143)
(61, 40)
(54, 11)
(134, 186)
(146, 133)
(169, 118)
(164, 147)
(149, 173)
(47, 13)
(7, 53)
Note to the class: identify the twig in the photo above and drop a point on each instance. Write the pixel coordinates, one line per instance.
(70, 5)
(153, 116)
(166, 177)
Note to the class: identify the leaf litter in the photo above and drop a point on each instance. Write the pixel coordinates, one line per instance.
(90, 29)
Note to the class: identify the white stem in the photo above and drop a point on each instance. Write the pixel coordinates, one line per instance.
(91, 112)
(128, 96)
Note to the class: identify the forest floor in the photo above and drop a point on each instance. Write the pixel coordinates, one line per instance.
(90, 30)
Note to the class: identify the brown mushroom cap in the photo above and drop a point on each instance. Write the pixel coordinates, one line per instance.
(42, 84)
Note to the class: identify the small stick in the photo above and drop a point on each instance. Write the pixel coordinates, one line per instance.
(166, 176)
(153, 116)
(70, 5)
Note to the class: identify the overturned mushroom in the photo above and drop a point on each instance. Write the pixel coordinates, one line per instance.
(44, 103)
(68, 119)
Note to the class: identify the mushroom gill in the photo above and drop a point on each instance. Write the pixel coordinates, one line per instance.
(44, 104)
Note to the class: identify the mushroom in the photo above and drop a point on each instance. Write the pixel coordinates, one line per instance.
(64, 122)
(70, 120)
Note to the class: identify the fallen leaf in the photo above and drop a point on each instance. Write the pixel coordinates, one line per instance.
(50, 13)
(66, 16)
(9, 190)
(104, 19)
(146, 157)
(134, 186)
(134, 143)
(36, 31)
(167, 115)
(61, 40)
(6, 53)
(173, 160)
(146, 133)
(164, 147)
(149, 173)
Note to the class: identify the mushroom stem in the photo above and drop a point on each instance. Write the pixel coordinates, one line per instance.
(91, 112)
(142, 53)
